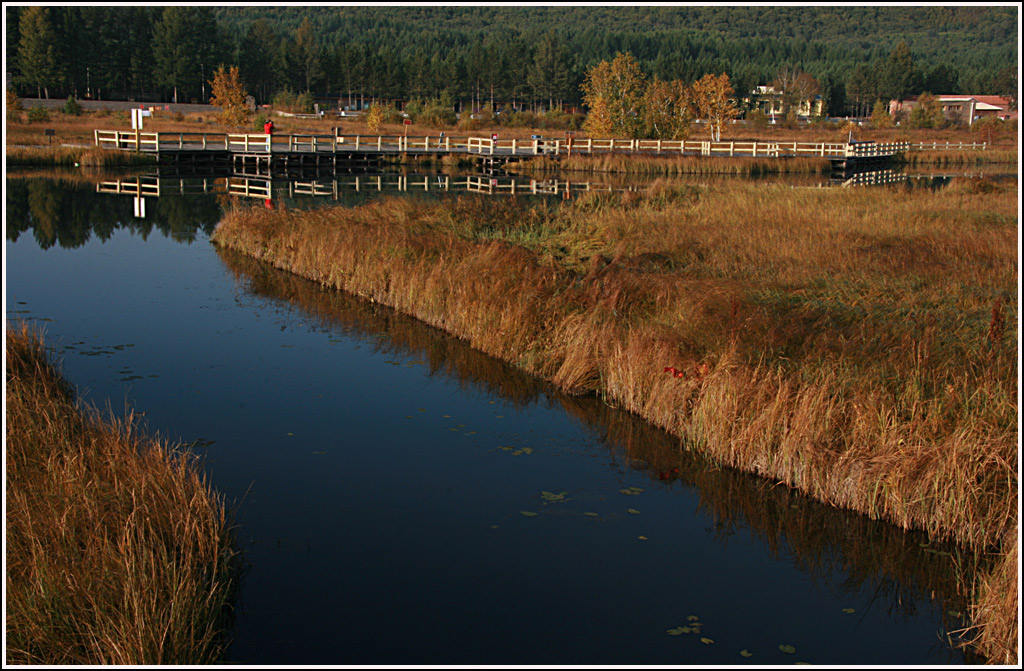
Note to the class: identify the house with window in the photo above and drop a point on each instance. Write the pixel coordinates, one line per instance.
(962, 109)
(769, 101)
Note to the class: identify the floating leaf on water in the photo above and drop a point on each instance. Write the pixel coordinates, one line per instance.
(446, 415)
(408, 416)
(643, 538)
(552, 497)
(631, 491)
(788, 649)
(527, 513)
(632, 511)
(706, 641)
(746, 653)
(422, 409)
(692, 618)
(677, 631)
(494, 526)
(523, 450)
(687, 630)
(591, 514)
(499, 416)
(290, 433)
(849, 610)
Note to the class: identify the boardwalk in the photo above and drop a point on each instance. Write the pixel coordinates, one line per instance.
(260, 143)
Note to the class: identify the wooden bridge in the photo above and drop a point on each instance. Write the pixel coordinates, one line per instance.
(260, 153)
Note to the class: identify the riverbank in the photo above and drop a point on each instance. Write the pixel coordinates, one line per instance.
(118, 552)
(857, 345)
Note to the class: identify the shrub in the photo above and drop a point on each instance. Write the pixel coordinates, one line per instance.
(72, 107)
(38, 114)
(757, 119)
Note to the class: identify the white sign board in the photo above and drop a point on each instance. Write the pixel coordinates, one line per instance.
(137, 118)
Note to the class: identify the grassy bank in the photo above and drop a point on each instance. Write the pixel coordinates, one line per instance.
(117, 550)
(856, 344)
(675, 165)
(92, 157)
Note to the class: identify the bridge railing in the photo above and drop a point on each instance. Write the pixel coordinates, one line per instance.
(249, 142)
(127, 139)
(948, 146)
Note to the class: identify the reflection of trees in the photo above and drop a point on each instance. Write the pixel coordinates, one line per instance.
(68, 212)
(899, 567)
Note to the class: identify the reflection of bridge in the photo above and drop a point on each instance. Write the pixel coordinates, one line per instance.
(254, 187)
(878, 177)
(263, 152)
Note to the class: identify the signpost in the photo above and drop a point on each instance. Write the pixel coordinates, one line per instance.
(49, 132)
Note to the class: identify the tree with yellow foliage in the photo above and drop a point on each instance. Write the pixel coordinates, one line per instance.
(713, 101)
(614, 93)
(228, 94)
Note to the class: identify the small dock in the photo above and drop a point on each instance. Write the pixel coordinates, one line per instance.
(263, 154)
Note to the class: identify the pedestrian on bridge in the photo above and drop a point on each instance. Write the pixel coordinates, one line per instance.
(268, 127)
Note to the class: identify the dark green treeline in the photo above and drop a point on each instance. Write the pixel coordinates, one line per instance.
(523, 55)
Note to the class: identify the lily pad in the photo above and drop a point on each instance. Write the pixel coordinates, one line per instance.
(849, 610)
(591, 514)
(643, 538)
(706, 641)
(677, 631)
(631, 491)
(632, 511)
(551, 497)
(527, 513)
(746, 653)
(692, 618)
(788, 649)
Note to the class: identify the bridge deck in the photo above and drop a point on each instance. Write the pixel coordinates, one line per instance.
(327, 145)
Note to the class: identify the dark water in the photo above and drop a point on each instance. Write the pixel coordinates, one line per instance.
(380, 471)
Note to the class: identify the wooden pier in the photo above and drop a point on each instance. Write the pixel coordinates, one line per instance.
(262, 154)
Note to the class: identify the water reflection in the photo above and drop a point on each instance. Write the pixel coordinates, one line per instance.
(847, 553)
(67, 211)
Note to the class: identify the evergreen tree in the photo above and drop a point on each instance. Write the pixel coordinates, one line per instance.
(549, 74)
(37, 53)
(256, 60)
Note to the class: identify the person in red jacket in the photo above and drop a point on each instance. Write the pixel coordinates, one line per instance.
(268, 127)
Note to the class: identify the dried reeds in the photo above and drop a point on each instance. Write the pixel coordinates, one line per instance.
(839, 341)
(117, 550)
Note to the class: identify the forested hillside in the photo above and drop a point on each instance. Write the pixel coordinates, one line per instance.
(526, 55)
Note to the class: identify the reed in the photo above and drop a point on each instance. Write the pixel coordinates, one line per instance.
(76, 156)
(674, 165)
(858, 345)
(954, 158)
(117, 550)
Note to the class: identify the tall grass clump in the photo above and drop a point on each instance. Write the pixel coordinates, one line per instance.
(118, 552)
(859, 345)
(81, 156)
(675, 165)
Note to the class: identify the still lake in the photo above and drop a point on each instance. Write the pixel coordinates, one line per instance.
(403, 499)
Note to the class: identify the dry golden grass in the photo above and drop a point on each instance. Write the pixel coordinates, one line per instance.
(117, 550)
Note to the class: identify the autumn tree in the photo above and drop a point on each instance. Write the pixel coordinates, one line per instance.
(880, 117)
(229, 95)
(667, 110)
(713, 101)
(795, 86)
(927, 113)
(615, 91)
